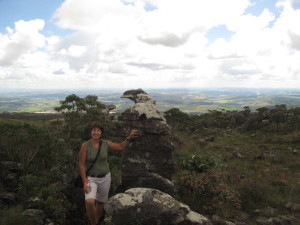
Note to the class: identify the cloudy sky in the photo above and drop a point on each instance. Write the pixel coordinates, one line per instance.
(149, 43)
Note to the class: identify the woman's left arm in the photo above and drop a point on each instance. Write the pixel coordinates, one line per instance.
(133, 134)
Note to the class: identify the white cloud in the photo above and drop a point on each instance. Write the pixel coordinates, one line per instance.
(123, 44)
(24, 38)
(76, 51)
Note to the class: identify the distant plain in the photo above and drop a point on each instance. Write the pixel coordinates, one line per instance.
(195, 101)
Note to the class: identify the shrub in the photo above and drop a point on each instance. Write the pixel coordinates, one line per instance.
(13, 216)
(262, 189)
(252, 193)
(56, 201)
(56, 209)
(21, 142)
(207, 192)
(114, 164)
(30, 185)
(201, 163)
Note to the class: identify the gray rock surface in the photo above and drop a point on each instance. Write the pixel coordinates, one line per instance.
(148, 160)
(151, 207)
(36, 216)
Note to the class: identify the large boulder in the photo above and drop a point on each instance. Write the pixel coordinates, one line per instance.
(150, 207)
(148, 160)
(35, 216)
(9, 174)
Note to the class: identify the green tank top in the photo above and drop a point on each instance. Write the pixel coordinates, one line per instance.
(101, 166)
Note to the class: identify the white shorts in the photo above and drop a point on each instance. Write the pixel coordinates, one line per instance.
(99, 188)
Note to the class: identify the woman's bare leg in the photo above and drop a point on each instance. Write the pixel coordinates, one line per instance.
(91, 210)
(99, 210)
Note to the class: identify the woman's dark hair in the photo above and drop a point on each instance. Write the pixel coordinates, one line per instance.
(88, 129)
(96, 125)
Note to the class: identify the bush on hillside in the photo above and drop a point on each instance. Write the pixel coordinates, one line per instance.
(263, 188)
(207, 193)
(57, 204)
(13, 216)
(201, 163)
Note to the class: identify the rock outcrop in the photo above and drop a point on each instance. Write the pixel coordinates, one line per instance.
(150, 207)
(148, 160)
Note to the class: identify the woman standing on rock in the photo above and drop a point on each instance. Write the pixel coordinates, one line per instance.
(97, 181)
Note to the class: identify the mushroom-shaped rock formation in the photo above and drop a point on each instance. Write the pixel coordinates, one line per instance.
(148, 160)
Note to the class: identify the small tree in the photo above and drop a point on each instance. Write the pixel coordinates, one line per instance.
(79, 112)
(246, 111)
(177, 118)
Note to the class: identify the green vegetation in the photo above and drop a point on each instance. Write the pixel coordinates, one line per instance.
(44, 155)
(233, 162)
(228, 162)
(13, 215)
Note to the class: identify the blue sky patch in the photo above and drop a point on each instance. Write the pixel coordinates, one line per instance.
(219, 32)
(257, 7)
(148, 7)
(14, 10)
